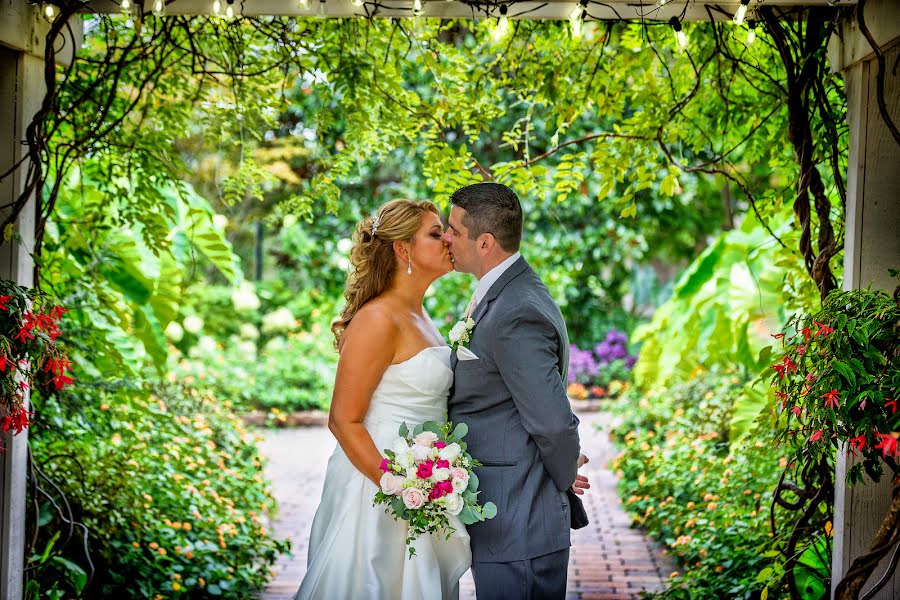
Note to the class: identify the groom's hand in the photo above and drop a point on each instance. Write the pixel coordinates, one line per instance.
(582, 460)
(581, 484)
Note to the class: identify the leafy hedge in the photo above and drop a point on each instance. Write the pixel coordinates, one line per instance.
(170, 487)
(682, 484)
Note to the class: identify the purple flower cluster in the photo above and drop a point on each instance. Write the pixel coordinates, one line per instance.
(585, 365)
(614, 347)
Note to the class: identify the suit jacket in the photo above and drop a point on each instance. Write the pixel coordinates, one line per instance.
(521, 426)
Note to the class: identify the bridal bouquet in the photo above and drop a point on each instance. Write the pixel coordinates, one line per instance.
(428, 477)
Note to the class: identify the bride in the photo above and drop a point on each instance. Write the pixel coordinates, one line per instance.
(394, 367)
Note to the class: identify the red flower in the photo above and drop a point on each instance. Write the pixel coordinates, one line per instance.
(789, 365)
(24, 335)
(16, 421)
(892, 404)
(780, 369)
(801, 349)
(796, 410)
(425, 469)
(441, 489)
(59, 311)
(816, 436)
(443, 464)
(859, 442)
(57, 365)
(3, 301)
(61, 381)
(779, 336)
(832, 399)
(385, 463)
(806, 331)
(4, 363)
(824, 329)
(439, 444)
(887, 445)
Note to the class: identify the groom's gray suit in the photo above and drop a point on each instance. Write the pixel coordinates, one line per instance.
(521, 428)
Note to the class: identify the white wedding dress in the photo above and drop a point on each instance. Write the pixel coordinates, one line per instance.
(356, 550)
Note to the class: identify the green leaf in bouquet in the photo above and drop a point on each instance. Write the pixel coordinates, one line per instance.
(473, 482)
(404, 430)
(469, 516)
(470, 497)
(418, 429)
(432, 426)
(398, 506)
(461, 430)
(490, 510)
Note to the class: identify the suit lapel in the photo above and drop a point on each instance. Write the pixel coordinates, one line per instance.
(516, 269)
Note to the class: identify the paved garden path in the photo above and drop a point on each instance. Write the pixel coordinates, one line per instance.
(609, 560)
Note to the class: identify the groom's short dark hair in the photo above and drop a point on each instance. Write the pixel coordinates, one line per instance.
(491, 208)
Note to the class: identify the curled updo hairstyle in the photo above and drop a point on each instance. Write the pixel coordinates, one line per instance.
(372, 256)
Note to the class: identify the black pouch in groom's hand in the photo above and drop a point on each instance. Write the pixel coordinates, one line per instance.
(578, 517)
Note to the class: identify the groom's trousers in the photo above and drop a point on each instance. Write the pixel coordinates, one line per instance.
(539, 578)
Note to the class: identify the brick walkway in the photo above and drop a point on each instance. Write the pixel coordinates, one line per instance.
(609, 560)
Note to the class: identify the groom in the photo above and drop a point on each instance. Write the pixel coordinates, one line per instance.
(509, 389)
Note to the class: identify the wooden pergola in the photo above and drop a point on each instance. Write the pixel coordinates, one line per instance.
(872, 237)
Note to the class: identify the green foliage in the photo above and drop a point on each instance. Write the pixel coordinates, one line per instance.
(687, 487)
(168, 483)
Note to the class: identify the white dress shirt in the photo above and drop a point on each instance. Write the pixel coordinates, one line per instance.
(491, 277)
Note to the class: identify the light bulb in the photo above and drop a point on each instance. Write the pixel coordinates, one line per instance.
(125, 6)
(576, 28)
(217, 7)
(417, 6)
(229, 10)
(751, 36)
(358, 2)
(682, 38)
(502, 27)
(741, 12)
(575, 15)
(159, 8)
(50, 12)
(304, 4)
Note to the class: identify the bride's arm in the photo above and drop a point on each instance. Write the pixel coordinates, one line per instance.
(367, 349)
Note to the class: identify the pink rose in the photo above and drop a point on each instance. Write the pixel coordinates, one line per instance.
(426, 438)
(413, 498)
(443, 464)
(385, 465)
(440, 445)
(459, 473)
(425, 470)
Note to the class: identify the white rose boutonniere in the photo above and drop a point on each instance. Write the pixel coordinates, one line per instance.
(461, 333)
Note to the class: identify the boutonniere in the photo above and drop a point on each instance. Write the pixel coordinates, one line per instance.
(461, 333)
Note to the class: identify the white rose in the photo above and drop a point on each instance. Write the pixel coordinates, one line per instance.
(399, 445)
(426, 438)
(391, 484)
(454, 504)
(457, 332)
(450, 452)
(405, 459)
(412, 472)
(420, 452)
(459, 485)
(440, 474)
(413, 497)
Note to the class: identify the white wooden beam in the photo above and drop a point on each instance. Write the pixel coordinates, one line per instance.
(452, 9)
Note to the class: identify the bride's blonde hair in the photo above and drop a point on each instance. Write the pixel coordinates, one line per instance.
(372, 256)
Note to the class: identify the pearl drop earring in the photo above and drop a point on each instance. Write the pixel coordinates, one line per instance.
(408, 267)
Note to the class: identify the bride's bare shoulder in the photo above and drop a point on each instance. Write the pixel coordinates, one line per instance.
(375, 320)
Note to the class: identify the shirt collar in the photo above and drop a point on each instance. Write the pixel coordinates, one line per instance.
(491, 277)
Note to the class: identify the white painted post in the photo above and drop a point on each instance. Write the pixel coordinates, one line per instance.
(872, 245)
(22, 41)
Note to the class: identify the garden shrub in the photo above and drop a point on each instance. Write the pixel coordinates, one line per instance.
(681, 482)
(170, 487)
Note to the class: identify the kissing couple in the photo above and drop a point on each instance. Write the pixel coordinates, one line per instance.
(504, 378)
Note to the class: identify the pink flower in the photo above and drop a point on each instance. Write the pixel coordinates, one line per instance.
(816, 436)
(441, 489)
(832, 399)
(459, 473)
(859, 442)
(796, 410)
(391, 484)
(413, 498)
(890, 402)
(443, 464)
(426, 438)
(425, 469)
(385, 465)
(439, 445)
